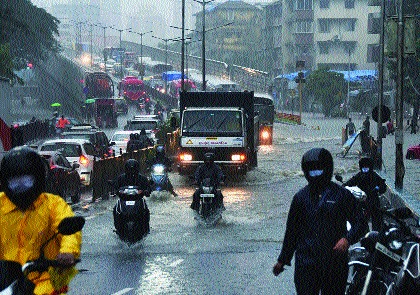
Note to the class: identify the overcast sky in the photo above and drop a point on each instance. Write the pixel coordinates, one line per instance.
(144, 15)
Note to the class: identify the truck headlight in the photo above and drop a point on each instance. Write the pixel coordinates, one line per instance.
(185, 157)
(238, 157)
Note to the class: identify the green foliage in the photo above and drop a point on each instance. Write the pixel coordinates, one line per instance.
(30, 32)
(6, 64)
(327, 88)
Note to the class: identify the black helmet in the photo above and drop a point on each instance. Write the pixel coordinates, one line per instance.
(22, 175)
(132, 167)
(366, 164)
(209, 158)
(160, 151)
(318, 166)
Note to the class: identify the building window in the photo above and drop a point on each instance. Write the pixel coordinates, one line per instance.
(350, 25)
(324, 25)
(349, 3)
(304, 27)
(374, 23)
(324, 4)
(303, 4)
(324, 48)
(230, 15)
(372, 53)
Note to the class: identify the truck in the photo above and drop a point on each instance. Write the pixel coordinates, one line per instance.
(220, 122)
(100, 87)
(264, 106)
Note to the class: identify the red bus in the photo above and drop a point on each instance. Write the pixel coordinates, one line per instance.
(175, 87)
(132, 89)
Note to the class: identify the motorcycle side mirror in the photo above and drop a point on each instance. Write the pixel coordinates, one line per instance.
(71, 225)
(339, 178)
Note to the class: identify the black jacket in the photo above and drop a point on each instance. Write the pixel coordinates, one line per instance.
(214, 172)
(315, 225)
(367, 182)
(138, 180)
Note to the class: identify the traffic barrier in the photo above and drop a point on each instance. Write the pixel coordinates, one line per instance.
(110, 168)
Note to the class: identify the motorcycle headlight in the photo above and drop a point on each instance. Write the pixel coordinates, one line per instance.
(395, 245)
(159, 169)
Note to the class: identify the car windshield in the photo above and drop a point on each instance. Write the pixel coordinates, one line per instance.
(120, 137)
(77, 136)
(67, 149)
(212, 123)
(138, 125)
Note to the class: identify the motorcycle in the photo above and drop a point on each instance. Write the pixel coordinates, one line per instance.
(407, 281)
(131, 215)
(14, 277)
(375, 264)
(209, 210)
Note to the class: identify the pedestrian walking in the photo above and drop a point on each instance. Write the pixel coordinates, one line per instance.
(61, 124)
(316, 229)
(350, 128)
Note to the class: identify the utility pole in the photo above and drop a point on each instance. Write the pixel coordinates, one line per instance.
(104, 28)
(121, 53)
(141, 50)
(378, 162)
(183, 46)
(203, 40)
(399, 132)
(91, 45)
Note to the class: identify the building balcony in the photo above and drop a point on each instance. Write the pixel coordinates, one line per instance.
(337, 36)
(303, 14)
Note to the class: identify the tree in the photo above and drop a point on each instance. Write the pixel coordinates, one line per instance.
(27, 35)
(326, 87)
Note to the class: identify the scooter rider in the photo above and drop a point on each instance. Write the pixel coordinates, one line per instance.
(161, 158)
(133, 177)
(373, 185)
(316, 229)
(208, 170)
(30, 216)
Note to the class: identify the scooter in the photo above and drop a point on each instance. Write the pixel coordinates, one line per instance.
(159, 178)
(375, 265)
(209, 210)
(131, 215)
(14, 277)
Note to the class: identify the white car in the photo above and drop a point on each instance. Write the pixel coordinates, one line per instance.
(78, 151)
(118, 141)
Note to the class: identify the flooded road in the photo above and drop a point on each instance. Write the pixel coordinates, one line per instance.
(181, 256)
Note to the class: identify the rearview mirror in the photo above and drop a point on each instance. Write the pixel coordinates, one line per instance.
(71, 225)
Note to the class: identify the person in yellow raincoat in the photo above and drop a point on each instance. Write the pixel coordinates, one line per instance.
(29, 216)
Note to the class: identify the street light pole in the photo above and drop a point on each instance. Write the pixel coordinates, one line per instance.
(348, 86)
(122, 54)
(141, 50)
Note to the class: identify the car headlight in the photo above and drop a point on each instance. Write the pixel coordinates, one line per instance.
(395, 245)
(185, 157)
(238, 157)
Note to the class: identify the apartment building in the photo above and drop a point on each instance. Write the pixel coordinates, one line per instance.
(340, 34)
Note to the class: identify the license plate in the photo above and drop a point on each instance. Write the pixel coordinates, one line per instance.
(207, 195)
(130, 203)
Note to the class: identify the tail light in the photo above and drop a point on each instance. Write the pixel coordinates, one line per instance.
(265, 135)
(185, 157)
(83, 160)
(238, 157)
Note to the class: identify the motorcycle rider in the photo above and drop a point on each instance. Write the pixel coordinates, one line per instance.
(132, 177)
(316, 229)
(161, 158)
(373, 185)
(208, 170)
(30, 216)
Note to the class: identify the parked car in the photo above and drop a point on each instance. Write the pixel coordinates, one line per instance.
(80, 151)
(62, 177)
(413, 152)
(96, 136)
(119, 139)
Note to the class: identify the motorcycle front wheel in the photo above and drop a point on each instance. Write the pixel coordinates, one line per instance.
(376, 286)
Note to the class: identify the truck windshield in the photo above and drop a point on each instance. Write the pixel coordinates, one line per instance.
(212, 123)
